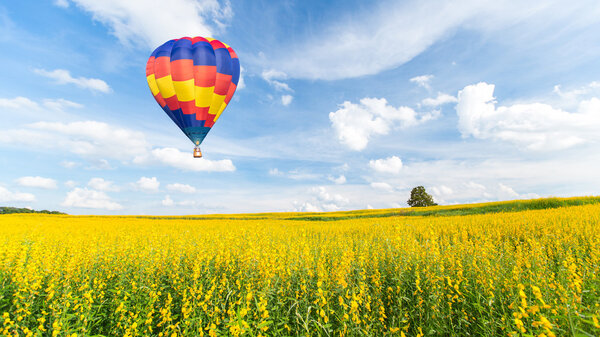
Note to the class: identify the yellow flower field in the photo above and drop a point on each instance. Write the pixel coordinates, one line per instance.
(523, 273)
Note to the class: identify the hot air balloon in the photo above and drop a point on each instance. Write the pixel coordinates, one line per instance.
(193, 80)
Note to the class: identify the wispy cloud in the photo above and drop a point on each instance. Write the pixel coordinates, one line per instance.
(422, 81)
(139, 22)
(393, 33)
(184, 161)
(96, 141)
(62, 76)
(39, 182)
(441, 99)
(286, 99)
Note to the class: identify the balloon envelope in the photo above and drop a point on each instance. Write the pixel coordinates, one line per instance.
(193, 80)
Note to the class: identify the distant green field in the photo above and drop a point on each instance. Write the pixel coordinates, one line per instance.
(450, 210)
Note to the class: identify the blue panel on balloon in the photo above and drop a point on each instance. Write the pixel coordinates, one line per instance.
(196, 134)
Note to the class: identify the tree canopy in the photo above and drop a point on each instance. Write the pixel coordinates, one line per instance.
(420, 198)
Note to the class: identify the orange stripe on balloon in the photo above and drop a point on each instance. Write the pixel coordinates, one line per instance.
(202, 113)
(188, 108)
(150, 66)
(162, 66)
(182, 70)
(160, 100)
(204, 76)
(230, 93)
(232, 53)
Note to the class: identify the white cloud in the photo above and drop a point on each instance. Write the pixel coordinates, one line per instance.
(97, 140)
(61, 3)
(295, 174)
(18, 103)
(70, 183)
(422, 81)
(184, 161)
(274, 77)
(391, 164)
(69, 164)
(62, 76)
(534, 126)
(442, 190)
(102, 185)
(24, 103)
(339, 180)
(86, 198)
(89, 139)
(382, 186)
(286, 99)
(321, 201)
(241, 82)
(592, 87)
(151, 23)
(8, 196)
(60, 104)
(99, 164)
(167, 201)
(146, 184)
(183, 188)
(275, 172)
(441, 99)
(354, 124)
(39, 182)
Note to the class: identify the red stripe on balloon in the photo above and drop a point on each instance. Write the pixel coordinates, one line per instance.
(222, 84)
(216, 44)
(160, 100)
(198, 39)
(209, 122)
(172, 102)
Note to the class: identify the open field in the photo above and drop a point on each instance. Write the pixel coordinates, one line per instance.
(528, 268)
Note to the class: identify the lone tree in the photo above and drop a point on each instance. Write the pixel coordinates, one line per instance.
(420, 198)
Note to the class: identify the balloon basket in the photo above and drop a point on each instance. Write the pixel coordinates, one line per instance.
(197, 152)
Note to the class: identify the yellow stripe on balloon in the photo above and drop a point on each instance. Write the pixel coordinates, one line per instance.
(152, 84)
(165, 84)
(184, 90)
(204, 96)
(215, 106)
(223, 106)
(209, 39)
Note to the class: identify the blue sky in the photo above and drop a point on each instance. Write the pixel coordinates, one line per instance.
(344, 105)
